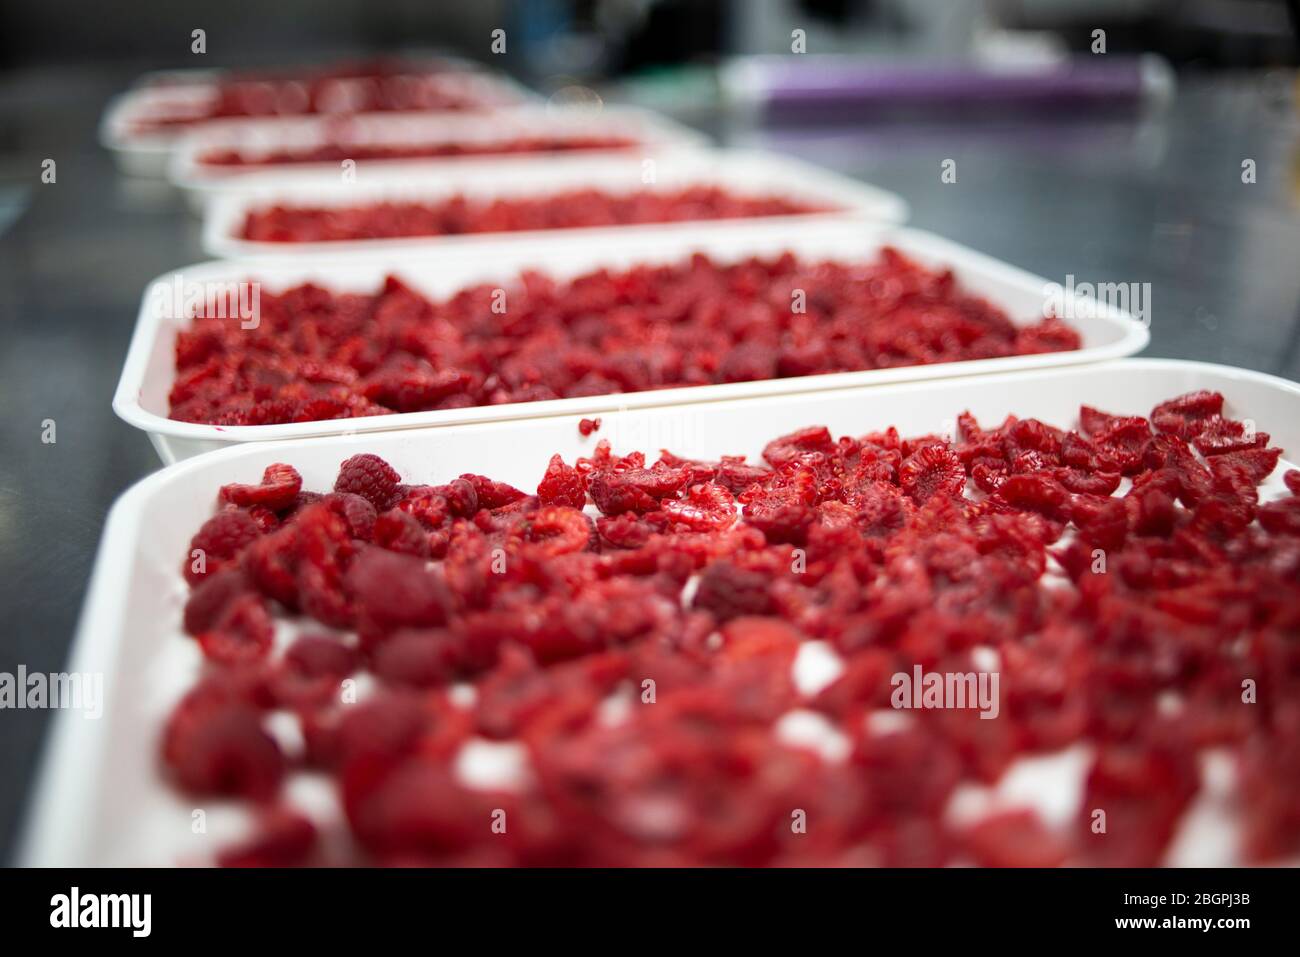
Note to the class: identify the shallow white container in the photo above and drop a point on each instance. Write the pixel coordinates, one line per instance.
(100, 798)
(745, 173)
(147, 376)
(655, 134)
(149, 153)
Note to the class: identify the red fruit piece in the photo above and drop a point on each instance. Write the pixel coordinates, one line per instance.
(356, 511)
(280, 486)
(1292, 480)
(210, 597)
(218, 541)
(399, 531)
(588, 426)
(214, 743)
(1014, 839)
(730, 592)
(282, 838)
(1186, 415)
(311, 671)
(492, 494)
(427, 505)
(372, 478)
(554, 531)
(393, 590)
(705, 508)
(929, 471)
(242, 634)
(562, 485)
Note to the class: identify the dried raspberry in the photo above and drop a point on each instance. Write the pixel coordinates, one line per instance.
(731, 592)
(562, 485)
(356, 511)
(418, 658)
(705, 508)
(1014, 839)
(492, 494)
(554, 531)
(932, 470)
(241, 635)
(1292, 479)
(372, 478)
(283, 838)
(220, 539)
(280, 486)
(397, 531)
(393, 590)
(1187, 415)
(214, 743)
(427, 505)
(210, 597)
(461, 496)
(588, 426)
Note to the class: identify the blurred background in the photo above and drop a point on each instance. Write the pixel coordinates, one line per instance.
(1103, 139)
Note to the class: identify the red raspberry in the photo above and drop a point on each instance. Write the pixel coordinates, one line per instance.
(210, 597)
(283, 838)
(356, 511)
(731, 592)
(218, 542)
(215, 744)
(562, 485)
(393, 590)
(929, 471)
(588, 426)
(242, 634)
(492, 494)
(398, 531)
(280, 486)
(372, 478)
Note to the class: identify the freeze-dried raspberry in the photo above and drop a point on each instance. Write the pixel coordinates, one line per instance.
(397, 531)
(1014, 839)
(356, 511)
(280, 486)
(214, 744)
(730, 592)
(282, 838)
(554, 530)
(1292, 479)
(210, 597)
(242, 633)
(427, 505)
(1187, 415)
(461, 496)
(271, 564)
(635, 489)
(705, 508)
(929, 471)
(492, 494)
(561, 485)
(588, 426)
(218, 542)
(393, 590)
(311, 672)
(372, 478)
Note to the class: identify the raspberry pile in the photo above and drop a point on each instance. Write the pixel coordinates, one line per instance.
(321, 355)
(340, 149)
(379, 86)
(459, 215)
(632, 630)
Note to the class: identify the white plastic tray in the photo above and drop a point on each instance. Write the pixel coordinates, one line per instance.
(147, 377)
(655, 133)
(747, 173)
(100, 798)
(149, 153)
